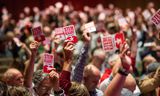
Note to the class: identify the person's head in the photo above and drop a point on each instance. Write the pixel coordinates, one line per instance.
(147, 60)
(13, 77)
(150, 5)
(91, 77)
(47, 31)
(98, 57)
(78, 89)
(113, 59)
(27, 10)
(42, 82)
(18, 91)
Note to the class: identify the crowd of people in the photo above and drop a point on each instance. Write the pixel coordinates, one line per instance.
(84, 68)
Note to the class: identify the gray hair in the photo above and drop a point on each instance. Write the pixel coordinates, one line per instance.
(38, 76)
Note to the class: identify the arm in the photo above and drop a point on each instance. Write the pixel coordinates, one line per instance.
(134, 43)
(30, 67)
(58, 91)
(115, 84)
(118, 81)
(64, 80)
(79, 66)
(27, 50)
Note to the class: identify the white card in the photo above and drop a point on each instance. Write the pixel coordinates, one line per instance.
(90, 27)
(146, 14)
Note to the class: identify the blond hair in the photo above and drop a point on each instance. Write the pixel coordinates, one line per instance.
(78, 89)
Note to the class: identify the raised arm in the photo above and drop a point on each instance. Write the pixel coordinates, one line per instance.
(79, 66)
(65, 82)
(117, 83)
(30, 67)
(27, 50)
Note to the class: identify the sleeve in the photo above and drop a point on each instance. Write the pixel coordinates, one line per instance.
(59, 93)
(79, 66)
(104, 84)
(65, 82)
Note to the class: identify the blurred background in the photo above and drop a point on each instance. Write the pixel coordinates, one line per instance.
(19, 16)
(16, 6)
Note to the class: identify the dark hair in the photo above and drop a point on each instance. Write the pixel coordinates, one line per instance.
(3, 89)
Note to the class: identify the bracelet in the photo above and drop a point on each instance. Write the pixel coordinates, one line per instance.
(61, 91)
(122, 71)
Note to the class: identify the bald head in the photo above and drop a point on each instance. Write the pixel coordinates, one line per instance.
(91, 77)
(114, 59)
(91, 70)
(13, 77)
(99, 52)
(98, 57)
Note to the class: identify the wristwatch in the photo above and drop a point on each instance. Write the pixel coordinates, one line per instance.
(123, 71)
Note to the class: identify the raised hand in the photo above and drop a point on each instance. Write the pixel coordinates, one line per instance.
(86, 36)
(34, 46)
(68, 51)
(54, 76)
(125, 59)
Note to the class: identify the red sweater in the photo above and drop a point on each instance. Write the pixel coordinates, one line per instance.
(65, 82)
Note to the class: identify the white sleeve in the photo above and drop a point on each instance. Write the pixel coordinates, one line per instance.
(104, 84)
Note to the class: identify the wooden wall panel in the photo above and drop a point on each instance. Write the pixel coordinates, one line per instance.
(16, 6)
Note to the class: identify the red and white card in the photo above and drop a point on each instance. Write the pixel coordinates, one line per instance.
(107, 43)
(112, 42)
(60, 33)
(156, 18)
(38, 34)
(119, 39)
(48, 62)
(69, 31)
(90, 27)
(72, 39)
